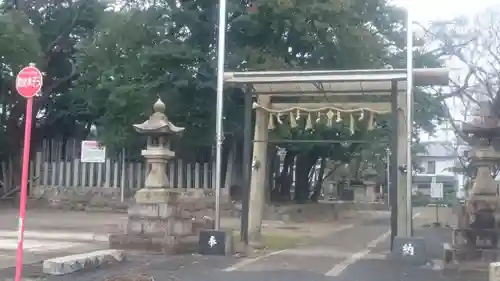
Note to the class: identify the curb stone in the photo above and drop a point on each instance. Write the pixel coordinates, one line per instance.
(69, 264)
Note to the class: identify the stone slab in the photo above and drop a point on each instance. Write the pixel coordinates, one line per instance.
(158, 210)
(156, 195)
(69, 264)
(170, 226)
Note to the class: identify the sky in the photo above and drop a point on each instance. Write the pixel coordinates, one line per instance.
(431, 10)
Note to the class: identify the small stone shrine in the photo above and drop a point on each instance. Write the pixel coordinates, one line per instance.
(164, 218)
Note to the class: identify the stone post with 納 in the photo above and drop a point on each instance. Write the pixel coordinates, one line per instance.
(164, 218)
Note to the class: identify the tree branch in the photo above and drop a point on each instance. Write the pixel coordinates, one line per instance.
(66, 31)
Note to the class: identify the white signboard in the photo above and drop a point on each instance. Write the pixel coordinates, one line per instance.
(93, 152)
(437, 190)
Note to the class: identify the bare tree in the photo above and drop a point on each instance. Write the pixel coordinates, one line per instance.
(474, 45)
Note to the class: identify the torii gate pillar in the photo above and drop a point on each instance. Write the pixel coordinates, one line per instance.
(404, 216)
(259, 167)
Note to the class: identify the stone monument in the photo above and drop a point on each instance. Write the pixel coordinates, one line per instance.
(163, 218)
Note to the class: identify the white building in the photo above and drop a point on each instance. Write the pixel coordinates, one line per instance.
(438, 163)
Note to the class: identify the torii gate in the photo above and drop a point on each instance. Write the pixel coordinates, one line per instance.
(373, 91)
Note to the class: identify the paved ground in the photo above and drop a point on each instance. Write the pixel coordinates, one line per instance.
(354, 250)
(50, 234)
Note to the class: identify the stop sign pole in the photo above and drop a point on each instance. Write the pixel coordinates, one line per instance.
(29, 82)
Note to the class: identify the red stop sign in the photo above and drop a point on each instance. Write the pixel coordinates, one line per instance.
(29, 81)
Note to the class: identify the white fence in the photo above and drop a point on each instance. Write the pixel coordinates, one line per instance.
(45, 175)
(57, 165)
(115, 174)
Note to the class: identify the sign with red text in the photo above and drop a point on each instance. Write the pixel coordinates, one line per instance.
(29, 81)
(92, 152)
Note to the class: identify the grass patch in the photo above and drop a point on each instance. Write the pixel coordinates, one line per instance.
(281, 242)
(276, 242)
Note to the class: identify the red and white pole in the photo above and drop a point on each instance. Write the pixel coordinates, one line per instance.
(29, 82)
(24, 188)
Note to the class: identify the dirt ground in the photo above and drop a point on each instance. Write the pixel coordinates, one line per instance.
(427, 216)
(101, 222)
(350, 254)
(276, 234)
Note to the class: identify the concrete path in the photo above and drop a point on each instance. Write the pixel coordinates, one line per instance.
(359, 252)
(40, 245)
(328, 256)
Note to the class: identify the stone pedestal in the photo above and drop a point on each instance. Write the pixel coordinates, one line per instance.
(165, 220)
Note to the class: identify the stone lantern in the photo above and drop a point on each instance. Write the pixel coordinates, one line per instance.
(159, 130)
(163, 218)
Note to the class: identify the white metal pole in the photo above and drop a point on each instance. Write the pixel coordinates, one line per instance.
(221, 53)
(409, 113)
(388, 174)
(122, 183)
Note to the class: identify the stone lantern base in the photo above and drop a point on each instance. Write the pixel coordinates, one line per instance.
(165, 220)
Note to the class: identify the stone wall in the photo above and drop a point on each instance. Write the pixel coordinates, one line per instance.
(97, 199)
(105, 199)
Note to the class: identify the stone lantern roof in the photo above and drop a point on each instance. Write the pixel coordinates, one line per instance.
(158, 123)
(484, 124)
